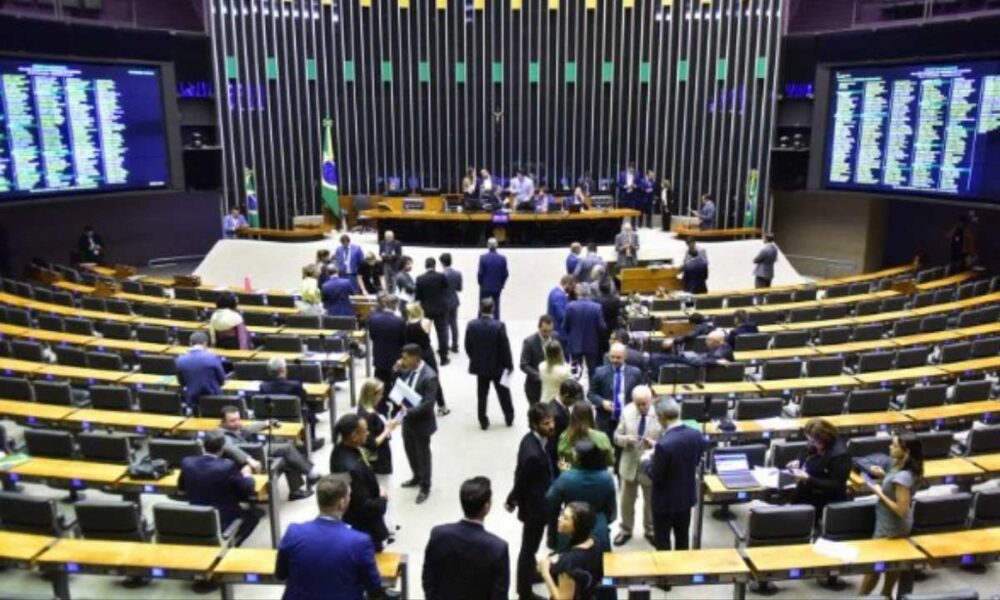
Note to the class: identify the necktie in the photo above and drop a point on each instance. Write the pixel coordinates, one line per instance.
(642, 425)
(616, 409)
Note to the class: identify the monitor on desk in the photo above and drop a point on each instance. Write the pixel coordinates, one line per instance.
(413, 204)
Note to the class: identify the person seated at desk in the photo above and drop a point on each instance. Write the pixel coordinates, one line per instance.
(576, 572)
(91, 246)
(226, 327)
(296, 468)
(336, 293)
(233, 222)
(488, 193)
(542, 201)
(822, 468)
(199, 372)
(520, 190)
(741, 326)
(325, 557)
(700, 325)
(278, 384)
(211, 480)
(470, 190)
(719, 353)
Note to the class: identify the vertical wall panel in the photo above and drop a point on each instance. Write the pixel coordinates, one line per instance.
(419, 92)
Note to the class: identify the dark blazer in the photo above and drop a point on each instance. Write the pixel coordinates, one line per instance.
(200, 373)
(533, 475)
(285, 387)
(602, 387)
(464, 561)
(739, 330)
(695, 275)
(560, 414)
(571, 261)
(582, 327)
(336, 294)
(828, 473)
(390, 253)
(420, 419)
(432, 293)
(586, 265)
(611, 307)
(208, 480)
(325, 558)
(454, 277)
(492, 274)
(556, 306)
(83, 245)
(674, 469)
(366, 512)
(380, 457)
(488, 347)
(532, 355)
(386, 332)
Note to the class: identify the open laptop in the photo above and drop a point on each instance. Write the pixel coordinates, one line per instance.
(734, 471)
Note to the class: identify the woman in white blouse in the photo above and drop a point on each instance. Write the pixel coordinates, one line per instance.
(553, 371)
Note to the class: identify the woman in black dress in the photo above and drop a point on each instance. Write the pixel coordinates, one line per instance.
(575, 573)
(417, 331)
(379, 433)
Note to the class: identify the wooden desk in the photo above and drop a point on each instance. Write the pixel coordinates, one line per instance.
(952, 413)
(989, 463)
(9, 366)
(680, 567)
(104, 344)
(802, 561)
(901, 375)
(960, 547)
(80, 374)
(44, 335)
(129, 558)
(940, 470)
(752, 429)
(733, 388)
(946, 281)
(121, 420)
(77, 472)
(808, 325)
(784, 428)
(774, 354)
(716, 234)
(34, 413)
(834, 382)
(21, 549)
(867, 422)
(168, 485)
(991, 363)
(199, 425)
(927, 338)
(715, 491)
(854, 347)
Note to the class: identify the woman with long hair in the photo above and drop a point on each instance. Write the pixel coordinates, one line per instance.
(590, 481)
(310, 299)
(581, 427)
(418, 331)
(575, 573)
(553, 371)
(379, 433)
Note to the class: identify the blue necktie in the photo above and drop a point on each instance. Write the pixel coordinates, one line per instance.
(642, 425)
(616, 409)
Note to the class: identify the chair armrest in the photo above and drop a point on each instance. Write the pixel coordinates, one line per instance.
(66, 525)
(229, 534)
(741, 536)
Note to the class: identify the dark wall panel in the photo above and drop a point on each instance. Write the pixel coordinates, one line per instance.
(684, 88)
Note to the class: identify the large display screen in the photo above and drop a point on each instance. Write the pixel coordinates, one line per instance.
(80, 127)
(924, 129)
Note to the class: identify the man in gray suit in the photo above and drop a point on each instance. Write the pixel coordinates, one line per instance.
(763, 272)
(706, 213)
(627, 247)
(636, 433)
(587, 264)
(454, 277)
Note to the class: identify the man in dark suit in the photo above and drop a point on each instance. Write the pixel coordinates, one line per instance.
(535, 471)
(585, 266)
(325, 557)
(199, 372)
(570, 392)
(763, 271)
(533, 354)
(492, 274)
(558, 299)
(674, 472)
(463, 560)
(336, 293)
(582, 328)
(389, 252)
(488, 348)
(366, 511)
(454, 277)
(419, 423)
(210, 480)
(91, 246)
(432, 294)
(741, 326)
(611, 389)
(348, 258)
(386, 332)
(280, 385)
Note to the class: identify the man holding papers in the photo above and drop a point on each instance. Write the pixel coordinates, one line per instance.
(416, 392)
(490, 360)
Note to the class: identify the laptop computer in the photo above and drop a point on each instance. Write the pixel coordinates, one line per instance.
(734, 471)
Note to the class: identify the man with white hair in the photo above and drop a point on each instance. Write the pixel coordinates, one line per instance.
(492, 275)
(611, 388)
(636, 433)
(674, 474)
(627, 247)
(719, 353)
(279, 384)
(390, 251)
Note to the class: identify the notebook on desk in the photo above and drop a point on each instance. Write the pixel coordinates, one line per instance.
(734, 471)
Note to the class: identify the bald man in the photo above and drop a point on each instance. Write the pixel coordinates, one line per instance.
(636, 433)
(611, 388)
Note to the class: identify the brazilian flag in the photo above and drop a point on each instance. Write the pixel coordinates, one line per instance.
(330, 191)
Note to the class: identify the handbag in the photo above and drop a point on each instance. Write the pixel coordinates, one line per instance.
(149, 468)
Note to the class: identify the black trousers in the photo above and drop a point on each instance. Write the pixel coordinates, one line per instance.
(496, 302)
(441, 329)
(250, 519)
(591, 360)
(418, 454)
(531, 539)
(677, 522)
(503, 393)
(453, 327)
(533, 390)
(760, 282)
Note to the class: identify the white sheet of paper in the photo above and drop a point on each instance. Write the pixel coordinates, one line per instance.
(766, 476)
(777, 423)
(838, 550)
(505, 378)
(404, 394)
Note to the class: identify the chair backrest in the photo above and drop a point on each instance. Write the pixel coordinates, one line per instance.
(925, 395)
(944, 295)
(934, 514)
(986, 347)
(110, 520)
(959, 594)
(283, 343)
(694, 410)
(106, 361)
(309, 372)
(258, 319)
(870, 362)
(724, 373)
(283, 408)
(93, 303)
(861, 287)
(210, 296)
(70, 356)
(304, 321)
(833, 311)
(104, 447)
(826, 366)
(819, 405)
(838, 291)
(174, 451)
(210, 407)
(752, 341)
(79, 326)
(865, 446)
(250, 299)
(16, 388)
(867, 307)
(111, 397)
(53, 392)
(250, 370)
(19, 317)
(923, 299)
(153, 311)
(868, 332)
(956, 352)
(933, 323)
(804, 295)
(986, 508)
(834, 335)
(935, 444)
(779, 525)
(756, 454)
(912, 357)
(670, 374)
(26, 350)
(851, 520)
(157, 364)
(790, 339)
(664, 304)
(50, 322)
(782, 369)
(42, 294)
(29, 514)
(161, 402)
(905, 327)
(983, 440)
(783, 453)
(698, 344)
(864, 401)
(966, 290)
(758, 408)
(191, 525)
(185, 293)
(726, 321)
(281, 301)
(971, 391)
(340, 323)
(49, 443)
(115, 330)
(131, 286)
(185, 313)
(708, 303)
(152, 334)
(739, 301)
(801, 315)
(969, 318)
